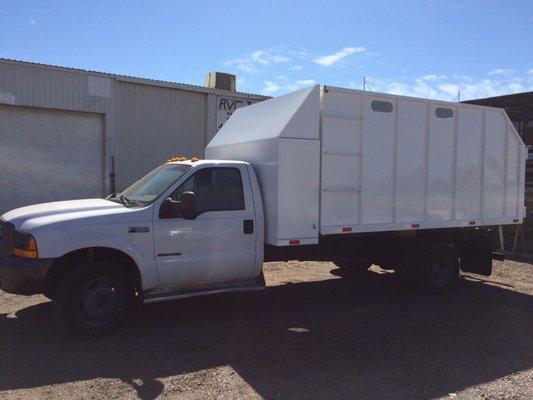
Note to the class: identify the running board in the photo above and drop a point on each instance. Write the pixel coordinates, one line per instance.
(183, 294)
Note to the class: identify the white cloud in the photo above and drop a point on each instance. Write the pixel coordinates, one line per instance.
(446, 88)
(331, 59)
(450, 89)
(32, 21)
(299, 68)
(279, 58)
(530, 71)
(270, 88)
(501, 71)
(259, 58)
(305, 82)
(430, 77)
(284, 85)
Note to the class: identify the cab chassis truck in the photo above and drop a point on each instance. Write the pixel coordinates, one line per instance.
(323, 173)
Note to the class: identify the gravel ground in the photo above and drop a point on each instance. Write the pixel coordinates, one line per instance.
(311, 334)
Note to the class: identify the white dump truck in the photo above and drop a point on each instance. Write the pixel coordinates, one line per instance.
(356, 178)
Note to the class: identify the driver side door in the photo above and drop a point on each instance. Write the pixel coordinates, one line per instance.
(218, 245)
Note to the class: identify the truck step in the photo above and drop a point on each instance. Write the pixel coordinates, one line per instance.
(256, 285)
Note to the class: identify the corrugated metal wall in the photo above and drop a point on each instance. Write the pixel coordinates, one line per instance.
(32, 85)
(153, 124)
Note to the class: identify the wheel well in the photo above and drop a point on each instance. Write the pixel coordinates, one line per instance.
(59, 269)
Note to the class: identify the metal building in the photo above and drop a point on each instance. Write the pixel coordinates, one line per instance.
(67, 133)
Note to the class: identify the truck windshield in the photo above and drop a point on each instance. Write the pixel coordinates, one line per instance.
(150, 187)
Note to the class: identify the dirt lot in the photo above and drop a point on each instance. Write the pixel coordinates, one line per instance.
(311, 334)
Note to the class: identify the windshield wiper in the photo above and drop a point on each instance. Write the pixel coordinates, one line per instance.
(124, 200)
(127, 202)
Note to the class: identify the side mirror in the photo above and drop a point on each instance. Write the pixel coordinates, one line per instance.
(185, 208)
(169, 209)
(188, 205)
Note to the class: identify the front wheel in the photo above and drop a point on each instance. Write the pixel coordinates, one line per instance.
(93, 300)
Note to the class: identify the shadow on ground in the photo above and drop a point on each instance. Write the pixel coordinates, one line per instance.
(339, 338)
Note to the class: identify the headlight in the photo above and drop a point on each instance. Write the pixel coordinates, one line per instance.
(24, 245)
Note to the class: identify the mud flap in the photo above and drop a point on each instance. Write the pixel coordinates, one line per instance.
(475, 252)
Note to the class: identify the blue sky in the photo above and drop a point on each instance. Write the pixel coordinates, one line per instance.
(421, 48)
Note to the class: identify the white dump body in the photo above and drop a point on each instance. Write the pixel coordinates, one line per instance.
(332, 161)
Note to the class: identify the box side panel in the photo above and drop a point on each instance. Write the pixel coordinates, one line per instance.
(298, 189)
(341, 159)
(441, 155)
(377, 160)
(304, 123)
(512, 170)
(522, 183)
(411, 159)
(494, 165)
(423, 164)
(468, 164)
(263, 156)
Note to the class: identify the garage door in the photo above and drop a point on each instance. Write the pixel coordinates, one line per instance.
(48, 155)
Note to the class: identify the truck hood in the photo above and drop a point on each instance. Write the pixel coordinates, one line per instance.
(61, 212)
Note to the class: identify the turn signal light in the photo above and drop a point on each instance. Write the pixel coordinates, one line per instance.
(29, 250)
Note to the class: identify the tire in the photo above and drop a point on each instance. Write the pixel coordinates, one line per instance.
(93, 300)
(431, 268)
(356, 266)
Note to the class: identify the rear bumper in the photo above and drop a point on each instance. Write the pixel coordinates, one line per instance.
(23, 276)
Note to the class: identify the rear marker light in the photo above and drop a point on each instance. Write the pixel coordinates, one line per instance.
(347, 229)
(471, 222)
(515, 220)
(415, 226)
(294, 242)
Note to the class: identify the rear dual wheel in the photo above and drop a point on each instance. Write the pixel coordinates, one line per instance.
(430, 267)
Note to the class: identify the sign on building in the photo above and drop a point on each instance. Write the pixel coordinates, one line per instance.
(226, 106)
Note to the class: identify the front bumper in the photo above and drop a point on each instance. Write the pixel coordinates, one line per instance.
(23, 276)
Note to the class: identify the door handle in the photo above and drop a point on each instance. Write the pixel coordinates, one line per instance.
(248, 226)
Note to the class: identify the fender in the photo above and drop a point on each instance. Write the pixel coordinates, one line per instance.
(138, 244)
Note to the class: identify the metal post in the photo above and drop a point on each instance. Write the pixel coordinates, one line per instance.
(500, 234)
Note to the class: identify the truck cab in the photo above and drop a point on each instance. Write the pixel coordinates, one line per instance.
(189, 227)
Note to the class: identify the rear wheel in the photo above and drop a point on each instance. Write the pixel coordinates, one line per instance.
(431, 267)
(93, 299)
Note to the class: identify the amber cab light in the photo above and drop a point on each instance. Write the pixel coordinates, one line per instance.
(29, 250)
